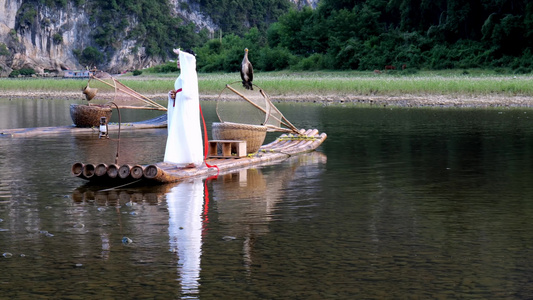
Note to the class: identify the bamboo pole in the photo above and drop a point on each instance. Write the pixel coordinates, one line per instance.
(276, 128)
(133, 93)
(139, 97)
(289, 125)
(152, 171)
(112, 170)
(124, 171)
(141, 107)
(77, 169)
(100, 170)
(136, 172)
(88, 170)
(157, 174)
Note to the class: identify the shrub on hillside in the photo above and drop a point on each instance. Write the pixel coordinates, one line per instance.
(3, 50)
(23, 72)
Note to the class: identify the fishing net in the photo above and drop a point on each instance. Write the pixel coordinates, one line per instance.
(103, 88)
(238, 105)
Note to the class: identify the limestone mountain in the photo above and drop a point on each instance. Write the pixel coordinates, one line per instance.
(51, 36)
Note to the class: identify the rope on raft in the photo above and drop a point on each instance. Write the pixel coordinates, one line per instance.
(291, 137)
(205, 144)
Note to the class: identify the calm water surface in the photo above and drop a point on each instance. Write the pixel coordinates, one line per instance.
(396, 204)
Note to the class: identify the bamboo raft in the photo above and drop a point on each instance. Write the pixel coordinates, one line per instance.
(283, 147)
(157, 122)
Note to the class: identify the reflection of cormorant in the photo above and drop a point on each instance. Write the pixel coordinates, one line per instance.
(247, 72)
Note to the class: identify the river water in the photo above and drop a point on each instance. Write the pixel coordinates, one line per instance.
(424, 203)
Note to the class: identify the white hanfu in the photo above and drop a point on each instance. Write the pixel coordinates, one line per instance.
(184, 141)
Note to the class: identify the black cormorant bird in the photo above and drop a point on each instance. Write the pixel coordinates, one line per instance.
(247, 72)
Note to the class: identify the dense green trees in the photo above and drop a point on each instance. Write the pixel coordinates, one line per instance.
(151, 24)
(237, 16)
(89, 57)
(369, 34)
(338, 34)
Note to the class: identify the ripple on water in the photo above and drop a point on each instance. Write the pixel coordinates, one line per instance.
(5, 192)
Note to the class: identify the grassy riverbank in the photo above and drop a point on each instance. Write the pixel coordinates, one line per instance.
(332, 85)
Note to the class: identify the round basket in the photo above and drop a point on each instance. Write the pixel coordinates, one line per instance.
(89, 92)
(89, 115)
(254, 135)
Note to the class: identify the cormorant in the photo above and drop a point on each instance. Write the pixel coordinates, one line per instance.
(247, 72)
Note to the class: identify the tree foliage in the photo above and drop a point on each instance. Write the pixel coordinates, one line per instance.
(338, 34)
(90, 56)
(4, 51)
(152, 25)
(370, 34)
(237, 16)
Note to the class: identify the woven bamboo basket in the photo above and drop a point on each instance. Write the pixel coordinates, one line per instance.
(254, 135)
(89, 115)
(89, 93)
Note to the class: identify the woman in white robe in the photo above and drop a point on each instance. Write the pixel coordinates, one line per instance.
(184, 142)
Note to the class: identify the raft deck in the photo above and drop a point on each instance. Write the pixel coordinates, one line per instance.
(157, 122)
(163, 172)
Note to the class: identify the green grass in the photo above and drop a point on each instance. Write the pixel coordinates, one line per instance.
(41, 84)
(471, 82)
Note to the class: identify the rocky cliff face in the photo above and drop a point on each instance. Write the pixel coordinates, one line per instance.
(40, 38)
(46, 39)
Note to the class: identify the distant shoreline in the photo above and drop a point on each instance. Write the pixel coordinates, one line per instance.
(427, 89)
(429, 100)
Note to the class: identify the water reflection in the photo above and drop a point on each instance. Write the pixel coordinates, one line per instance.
(102, 197)
(185, 202)
(243, 204)
(247, 200)
(28, 113)
(185, 219)
(412, 203)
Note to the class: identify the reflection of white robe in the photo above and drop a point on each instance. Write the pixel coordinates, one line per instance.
(185, 202)
(184, 141)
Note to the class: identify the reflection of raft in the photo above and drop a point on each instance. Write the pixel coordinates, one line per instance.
(89, 115)
(283, 147)
(90, 194)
